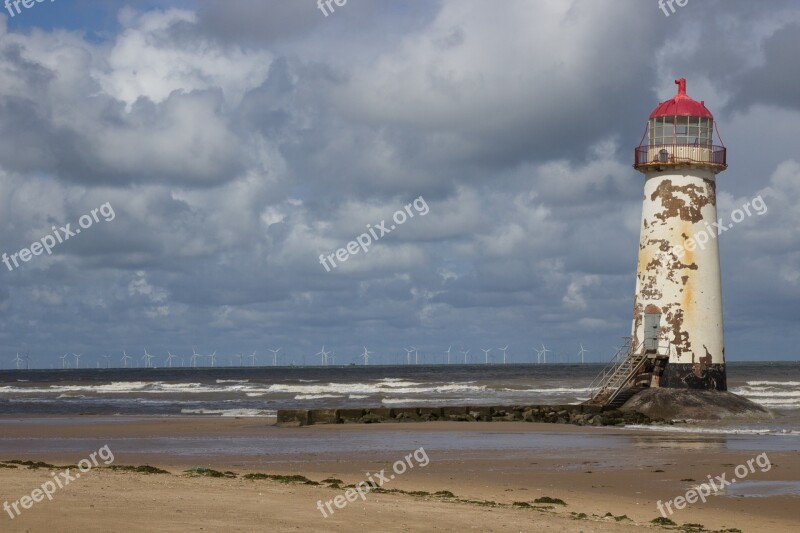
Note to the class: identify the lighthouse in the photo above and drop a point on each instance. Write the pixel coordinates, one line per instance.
(677, 332)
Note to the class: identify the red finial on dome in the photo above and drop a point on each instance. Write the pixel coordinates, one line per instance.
(681, 82)
(681, 105)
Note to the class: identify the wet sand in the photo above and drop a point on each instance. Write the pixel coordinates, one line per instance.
(594, 470)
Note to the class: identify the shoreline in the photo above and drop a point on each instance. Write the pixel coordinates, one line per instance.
(594, 470)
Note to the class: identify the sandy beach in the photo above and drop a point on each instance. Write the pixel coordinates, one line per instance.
(486, 466)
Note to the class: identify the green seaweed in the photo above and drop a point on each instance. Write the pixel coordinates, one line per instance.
(208, 472)
(35, 465)
(283, 479)
(548, 499)
(661, 521)
(143, 469)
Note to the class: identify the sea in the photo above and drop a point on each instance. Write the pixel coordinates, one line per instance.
(261, 391)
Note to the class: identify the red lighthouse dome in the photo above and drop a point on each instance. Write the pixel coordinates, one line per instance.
(681, 105)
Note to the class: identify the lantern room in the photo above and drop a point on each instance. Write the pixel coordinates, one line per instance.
(680, 132)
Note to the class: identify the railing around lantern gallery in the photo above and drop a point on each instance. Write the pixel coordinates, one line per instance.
(656, 155)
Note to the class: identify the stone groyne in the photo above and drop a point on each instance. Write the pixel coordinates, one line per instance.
(581, 415)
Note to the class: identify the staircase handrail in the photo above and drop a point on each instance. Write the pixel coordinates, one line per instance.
(597, 383)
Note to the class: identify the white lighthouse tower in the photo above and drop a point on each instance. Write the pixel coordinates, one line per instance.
(677, 312)
(676, 338)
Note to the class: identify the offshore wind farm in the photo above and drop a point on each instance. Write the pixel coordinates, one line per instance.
(433, 356)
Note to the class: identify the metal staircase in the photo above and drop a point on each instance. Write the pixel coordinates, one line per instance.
(611, 381)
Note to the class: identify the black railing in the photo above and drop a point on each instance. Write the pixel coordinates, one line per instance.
(656, 155)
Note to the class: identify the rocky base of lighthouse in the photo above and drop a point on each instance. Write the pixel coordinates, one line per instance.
(691, 404)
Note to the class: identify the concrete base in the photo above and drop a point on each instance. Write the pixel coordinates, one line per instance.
(694, 376)
(689, 404)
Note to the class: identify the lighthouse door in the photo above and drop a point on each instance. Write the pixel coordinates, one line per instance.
(652, 322)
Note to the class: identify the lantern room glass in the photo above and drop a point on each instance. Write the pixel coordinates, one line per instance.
(696, 131)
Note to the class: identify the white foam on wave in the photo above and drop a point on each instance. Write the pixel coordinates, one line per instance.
(131, 387)
(555, 390)
(233, 381)
(373, 388)
(250, 413)
(751, 391)
(774, 383)
(770, 396)
(393, 401)
(316, 396)
(116, 387)
(724, 431)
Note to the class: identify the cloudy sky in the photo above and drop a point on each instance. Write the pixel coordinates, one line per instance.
(237, 140)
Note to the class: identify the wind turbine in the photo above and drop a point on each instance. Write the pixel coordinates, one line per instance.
(213, 357)
(170, 357)
(333, 357)
(583, 351)
(504, 353)
(448, 353)
(147, 359)
(253, 357)
(77, 359)
(64, 362)
(275, 356)
(108, 360)
(18, 360)
(486, 354)
(324, 355)
(366, 355)
(465, 356)
(416, 356)
(408, 355)
(125, 358)
(544, 353)
(195, 355)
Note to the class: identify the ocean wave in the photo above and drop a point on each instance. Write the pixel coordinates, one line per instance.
(773, 383)
(233, 381)
(557, 390)
(725, 431)
(767, 394)
(316, 396)
(393, 401)
(397, 383)
(231, 412)
(373, 388)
